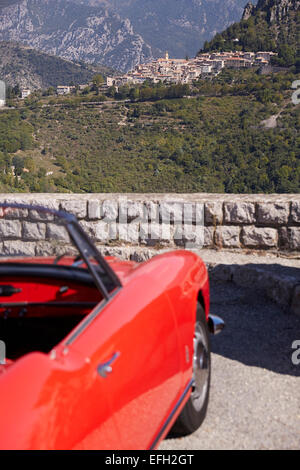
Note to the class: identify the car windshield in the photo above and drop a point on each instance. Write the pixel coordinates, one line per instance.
(44, 235)
(36, 234)
(51, 277)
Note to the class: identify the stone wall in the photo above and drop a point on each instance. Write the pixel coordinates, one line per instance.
(234, 222)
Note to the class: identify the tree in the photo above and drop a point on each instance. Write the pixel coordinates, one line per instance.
(112, 91)
(17, 91)
(29, 164)
(98, 81)
(18, 163)
(286, 54)
(134, 94)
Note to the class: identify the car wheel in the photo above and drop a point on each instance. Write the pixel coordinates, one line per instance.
(193, 413)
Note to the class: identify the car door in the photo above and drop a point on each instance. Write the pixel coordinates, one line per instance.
(54, 402)
(87, 415)
(92, 415)
(133, 348)
(149, 373)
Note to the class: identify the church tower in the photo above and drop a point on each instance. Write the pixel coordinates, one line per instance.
(167, 55)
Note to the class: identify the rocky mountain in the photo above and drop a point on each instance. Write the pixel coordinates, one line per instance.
(272, 25)
(33, 69)
(75, 32)
(178, 26)
(117, 33)
(6, 3)
(248, 11)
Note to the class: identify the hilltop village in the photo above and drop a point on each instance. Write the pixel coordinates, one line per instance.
(171, 71)
(187, 70)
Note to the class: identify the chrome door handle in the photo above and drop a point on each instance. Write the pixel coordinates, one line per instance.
(105, 367)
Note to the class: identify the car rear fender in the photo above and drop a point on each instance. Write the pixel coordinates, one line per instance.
(183, 276)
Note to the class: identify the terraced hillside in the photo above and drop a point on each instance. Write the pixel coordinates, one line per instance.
(215, 141)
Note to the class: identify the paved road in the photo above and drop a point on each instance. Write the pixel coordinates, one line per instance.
(255, 390)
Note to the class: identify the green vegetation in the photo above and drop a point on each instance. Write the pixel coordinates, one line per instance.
(213, 141)
(150, 92)
(260, 33)
(36, 69)
(15, 133)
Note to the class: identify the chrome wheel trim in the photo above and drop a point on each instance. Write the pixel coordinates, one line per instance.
(201, 365)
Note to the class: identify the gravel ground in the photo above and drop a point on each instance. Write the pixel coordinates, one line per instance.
(264, 258)
(255, 389)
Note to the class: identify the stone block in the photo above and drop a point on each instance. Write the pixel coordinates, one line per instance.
(239, 213)
(94, 209)
(89, 228)
(10, 229)
(136, 211)
(14, 213)
(227, 237)
(171, 212)
(18, 248)
(256, 237)
(213, 213)
(40, 215)
(294, 238)
(289, 238)
(43, 248)
(34, 231)
(209, 236)
(273, 213)
(295, 212)
(101, 231)
(110, 211)
(76, 207)
(57, 232)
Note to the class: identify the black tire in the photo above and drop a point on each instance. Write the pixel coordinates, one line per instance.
(194, 412)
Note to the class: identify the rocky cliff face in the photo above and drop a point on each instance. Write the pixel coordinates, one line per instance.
(248, 11)
(117, 33)
(74, 32)
(178, 26)
(281, 15)
(278, 9)
(271, 25)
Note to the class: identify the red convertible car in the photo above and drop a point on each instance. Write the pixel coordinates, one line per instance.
(100, 353)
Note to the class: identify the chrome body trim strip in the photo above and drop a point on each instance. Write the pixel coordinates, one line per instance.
(90, 317)
(171, 415)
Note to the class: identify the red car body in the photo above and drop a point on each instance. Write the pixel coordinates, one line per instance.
(120, 378)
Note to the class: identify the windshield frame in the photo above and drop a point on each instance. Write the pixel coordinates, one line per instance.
(82, 242)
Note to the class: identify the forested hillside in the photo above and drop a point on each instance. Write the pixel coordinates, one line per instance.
(274, 25)
(26, 67)
(221, 139)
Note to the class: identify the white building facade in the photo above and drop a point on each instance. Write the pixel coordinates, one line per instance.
(2, 93)
(188, 70)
